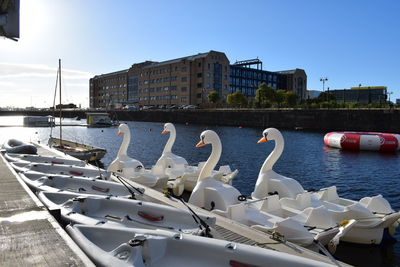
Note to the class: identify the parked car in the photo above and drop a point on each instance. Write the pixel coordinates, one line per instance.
(190, 107)
(130, 108)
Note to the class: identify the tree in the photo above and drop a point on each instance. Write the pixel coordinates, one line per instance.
(290, 98)
(325, 96)
(280, 97)
(264, 94)
(237, 99)
(213, 97)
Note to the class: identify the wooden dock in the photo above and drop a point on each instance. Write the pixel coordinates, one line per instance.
(29, 235)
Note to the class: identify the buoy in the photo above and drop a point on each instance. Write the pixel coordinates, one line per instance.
(363, 141)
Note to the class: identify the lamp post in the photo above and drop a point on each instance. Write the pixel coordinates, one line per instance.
(323, 80)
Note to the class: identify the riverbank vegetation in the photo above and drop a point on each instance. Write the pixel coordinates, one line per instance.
(267, 97)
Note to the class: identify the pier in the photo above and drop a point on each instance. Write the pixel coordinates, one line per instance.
(29, 235)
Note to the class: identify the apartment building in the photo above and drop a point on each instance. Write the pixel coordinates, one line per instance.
(108, 90)
(180, 81)
(188, 80)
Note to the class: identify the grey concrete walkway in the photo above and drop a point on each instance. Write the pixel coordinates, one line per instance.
(29, 235)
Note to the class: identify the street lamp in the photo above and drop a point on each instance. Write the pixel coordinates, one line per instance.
(323, 80)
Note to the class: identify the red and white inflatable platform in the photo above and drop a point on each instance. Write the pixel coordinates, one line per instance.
(363, 141)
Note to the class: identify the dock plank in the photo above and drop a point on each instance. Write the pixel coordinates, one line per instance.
(29, 235)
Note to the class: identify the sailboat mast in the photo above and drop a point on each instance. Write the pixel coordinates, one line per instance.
(59, 70)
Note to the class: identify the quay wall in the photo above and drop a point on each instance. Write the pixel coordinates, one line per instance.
(383, 120)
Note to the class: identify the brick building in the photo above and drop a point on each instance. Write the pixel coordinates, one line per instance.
(184, 81)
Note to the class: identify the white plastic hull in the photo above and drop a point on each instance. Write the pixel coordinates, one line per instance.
(112, 211)
(136, 247)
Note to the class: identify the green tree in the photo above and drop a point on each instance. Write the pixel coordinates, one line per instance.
(213, 97)
(290, 98)
(325, 96)
(280, 97)
(264, 95)
(237, 99)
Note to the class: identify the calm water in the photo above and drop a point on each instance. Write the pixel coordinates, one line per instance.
(305, 158)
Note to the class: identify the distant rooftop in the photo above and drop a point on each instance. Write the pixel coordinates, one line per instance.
(111, 73)
(172, 61)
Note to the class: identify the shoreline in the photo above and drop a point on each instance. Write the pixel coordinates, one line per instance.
(322, 120)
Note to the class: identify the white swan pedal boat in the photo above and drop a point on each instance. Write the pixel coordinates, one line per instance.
(373, 215)
(133, 169)
(142, 247)
(181, 174)
(112, 211)
(265, 215)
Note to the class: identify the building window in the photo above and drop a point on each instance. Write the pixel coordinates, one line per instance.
(183, 69)
(199, 85)
(184, 99)
(199, 75)
(199, 64)
(208, 66)
(183, 89)
(198, 95)
(184, 79)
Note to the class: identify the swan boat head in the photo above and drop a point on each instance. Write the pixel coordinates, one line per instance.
(269, 181)
(208, 192)
(169, 163)
(169, 128)
(123, 163)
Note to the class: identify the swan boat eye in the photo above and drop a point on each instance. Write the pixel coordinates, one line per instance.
(202, 138)
(265, 136)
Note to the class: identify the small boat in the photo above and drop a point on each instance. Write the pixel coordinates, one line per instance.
(99, 119)
(181, 174)
(74, 149)
(375, 219)
(77, 150)
(57, 183)
(143, 247)
(38, 121)
(60, 169)
(363, 141)
(28, 158)
(113, 211)
(19, 147)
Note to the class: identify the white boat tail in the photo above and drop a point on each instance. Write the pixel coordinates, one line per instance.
(138, 247)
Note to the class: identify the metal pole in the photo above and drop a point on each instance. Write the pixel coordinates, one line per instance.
(59, 82)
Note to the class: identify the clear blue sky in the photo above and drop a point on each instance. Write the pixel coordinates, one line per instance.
(348, 41)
